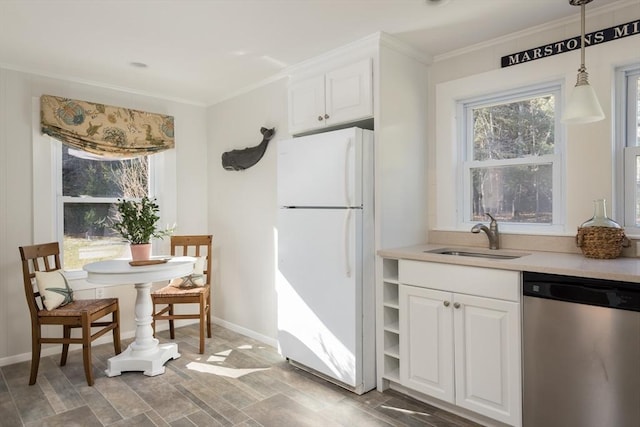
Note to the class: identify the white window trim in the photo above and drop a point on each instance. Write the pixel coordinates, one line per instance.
(47, 211)
(464, 130)
(625, 152)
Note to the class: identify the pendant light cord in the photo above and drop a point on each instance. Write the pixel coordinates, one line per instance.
(582, 39)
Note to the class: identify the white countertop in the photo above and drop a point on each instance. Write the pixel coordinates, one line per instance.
(623, 269)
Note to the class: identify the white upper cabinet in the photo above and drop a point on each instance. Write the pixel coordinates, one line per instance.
(341, 95)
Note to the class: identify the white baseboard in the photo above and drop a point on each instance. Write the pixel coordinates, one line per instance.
(55, 349)
(273, 342)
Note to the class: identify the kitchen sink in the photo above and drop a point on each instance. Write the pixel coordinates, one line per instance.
(474, 253)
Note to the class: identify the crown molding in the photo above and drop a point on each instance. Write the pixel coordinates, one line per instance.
(366, 43)
(549, 26)
(404, 48)
(102, 85)
(246, 89)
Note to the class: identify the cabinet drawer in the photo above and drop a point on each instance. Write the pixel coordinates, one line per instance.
(484, 282)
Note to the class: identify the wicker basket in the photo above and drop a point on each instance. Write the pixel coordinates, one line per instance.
(601, 242)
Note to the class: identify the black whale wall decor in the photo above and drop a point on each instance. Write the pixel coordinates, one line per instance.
(237, 160)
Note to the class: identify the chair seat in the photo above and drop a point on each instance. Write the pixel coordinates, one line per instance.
(171, 291)
(77, 307)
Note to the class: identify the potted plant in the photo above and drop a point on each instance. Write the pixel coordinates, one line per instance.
(136, 222)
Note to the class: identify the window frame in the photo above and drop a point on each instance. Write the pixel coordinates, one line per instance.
(61, 199)
(627, 150)
(464, 110)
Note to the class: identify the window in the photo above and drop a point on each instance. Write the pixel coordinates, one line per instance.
(511, 164)
(87, 191)
(628, 91)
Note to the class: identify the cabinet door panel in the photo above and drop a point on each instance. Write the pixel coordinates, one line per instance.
(426, 342)
(306, 105)
(349, 93)
(487, 343)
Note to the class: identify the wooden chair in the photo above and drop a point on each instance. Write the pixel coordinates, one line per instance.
(201, 295)
(82, 313)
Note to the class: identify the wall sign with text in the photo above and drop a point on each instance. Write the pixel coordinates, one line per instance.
(596, 37)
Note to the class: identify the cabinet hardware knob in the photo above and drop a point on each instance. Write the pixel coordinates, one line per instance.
(456, 305)
(319, 118)
(326, 116)
(446, 303)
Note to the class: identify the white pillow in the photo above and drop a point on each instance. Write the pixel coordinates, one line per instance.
(196, 278)
(54, 289)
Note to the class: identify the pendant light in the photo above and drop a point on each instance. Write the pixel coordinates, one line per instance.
(582, 105)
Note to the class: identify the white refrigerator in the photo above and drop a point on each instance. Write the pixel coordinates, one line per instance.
(325, 283)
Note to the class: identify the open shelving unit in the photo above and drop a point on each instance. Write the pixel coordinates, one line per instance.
(391, 334)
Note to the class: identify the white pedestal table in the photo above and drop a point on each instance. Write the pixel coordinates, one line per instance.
(145, 353)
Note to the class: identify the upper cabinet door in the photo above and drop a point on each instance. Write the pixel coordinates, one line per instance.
(349, 93)
(306, 104)
(342, 95)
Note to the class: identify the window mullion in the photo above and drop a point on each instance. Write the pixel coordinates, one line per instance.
(80, 199)
(533, 160)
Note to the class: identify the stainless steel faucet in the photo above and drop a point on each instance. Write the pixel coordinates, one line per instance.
(492, 232)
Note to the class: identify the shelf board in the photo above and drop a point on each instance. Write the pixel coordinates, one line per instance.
(392, 375)
(393, 352)
(393, 327)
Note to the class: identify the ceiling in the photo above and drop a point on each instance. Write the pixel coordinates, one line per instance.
(203, 51)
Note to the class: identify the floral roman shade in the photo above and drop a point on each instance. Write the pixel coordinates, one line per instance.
(105, 130)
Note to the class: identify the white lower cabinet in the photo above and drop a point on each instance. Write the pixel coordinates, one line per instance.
(461, 348)
(426, 342)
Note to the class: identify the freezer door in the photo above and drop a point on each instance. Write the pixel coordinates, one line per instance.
(319, 291)
(321, 170)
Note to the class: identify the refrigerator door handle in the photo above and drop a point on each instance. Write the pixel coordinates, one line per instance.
(347, 198)
(347, 235)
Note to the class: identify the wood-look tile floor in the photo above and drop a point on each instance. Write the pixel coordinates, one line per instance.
(237, 382)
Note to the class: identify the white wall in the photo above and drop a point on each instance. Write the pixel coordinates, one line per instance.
(184, 190)
(401, 199)
(242, 211)
(589, 147)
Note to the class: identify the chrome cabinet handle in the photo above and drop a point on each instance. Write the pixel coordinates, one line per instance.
(456, 305)
(319, 118)
(326, 116)
(446, 303)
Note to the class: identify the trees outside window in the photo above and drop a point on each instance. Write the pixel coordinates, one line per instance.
(89, 188)
(511, 167)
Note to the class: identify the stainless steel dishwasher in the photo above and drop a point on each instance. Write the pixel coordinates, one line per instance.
(581, 352)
